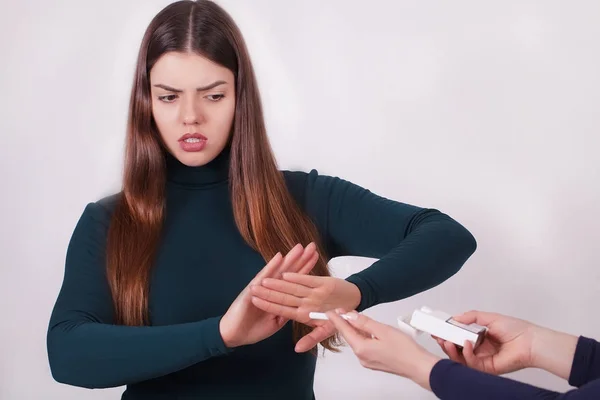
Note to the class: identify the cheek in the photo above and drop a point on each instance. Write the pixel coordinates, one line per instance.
(165, 118)
(226, 117)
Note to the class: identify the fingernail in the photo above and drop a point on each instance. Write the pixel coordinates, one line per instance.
(353, 315)
(339, 310)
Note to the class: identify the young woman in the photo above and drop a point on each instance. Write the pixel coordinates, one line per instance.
(511, 344)
(157, 292)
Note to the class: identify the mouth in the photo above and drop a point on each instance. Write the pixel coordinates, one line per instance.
(192, 138)
(192, 142)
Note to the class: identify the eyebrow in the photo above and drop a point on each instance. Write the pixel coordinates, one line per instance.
(200, 89)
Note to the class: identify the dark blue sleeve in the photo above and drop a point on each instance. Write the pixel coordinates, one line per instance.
(586, 362)
(418, 248)
(453, 381)
(86, 348)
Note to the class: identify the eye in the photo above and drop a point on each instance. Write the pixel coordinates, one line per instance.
(168, 98)
(215, 97)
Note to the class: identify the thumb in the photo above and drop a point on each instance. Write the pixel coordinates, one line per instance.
(477, 317)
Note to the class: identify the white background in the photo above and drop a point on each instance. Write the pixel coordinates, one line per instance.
(487, 111)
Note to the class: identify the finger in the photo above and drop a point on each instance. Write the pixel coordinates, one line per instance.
(291, 258)
(309, 265)
(469, 355)
(278, 309)
(281, 321)
(286, 287)
(350, 333)
(486, 364)
(440, 343)
(269, 269)
(276, 297)
(477, 317)
(315, 337)
(305, 257)
(366, 324)
(305, 280)
(452, 351)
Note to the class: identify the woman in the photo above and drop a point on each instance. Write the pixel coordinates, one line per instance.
(511, 344)
(157, 287)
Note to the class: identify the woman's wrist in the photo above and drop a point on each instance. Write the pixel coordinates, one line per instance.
(227, 340)
(420, 371)
(553, 351)
(355, 297)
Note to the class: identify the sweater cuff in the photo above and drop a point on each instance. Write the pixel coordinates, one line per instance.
(584, 356)
(213, 339)
(367, 294)
(437, 375)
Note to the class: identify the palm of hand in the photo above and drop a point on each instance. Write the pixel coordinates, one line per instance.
(506, 348)
(257, 323)
(244, 322)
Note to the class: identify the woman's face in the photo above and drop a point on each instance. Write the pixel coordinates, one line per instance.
(193, 105)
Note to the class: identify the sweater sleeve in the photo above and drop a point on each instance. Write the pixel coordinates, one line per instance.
(452, 381)
(417, 248)
(586, 362)
(86, 348)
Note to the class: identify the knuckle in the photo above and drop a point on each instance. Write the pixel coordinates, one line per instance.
(365, 363)
(359, 351)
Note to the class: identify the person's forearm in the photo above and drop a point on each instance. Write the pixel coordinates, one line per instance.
(97, 355)
(453, 381)
(553, 351)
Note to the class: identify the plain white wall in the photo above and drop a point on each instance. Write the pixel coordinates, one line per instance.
(485, 110)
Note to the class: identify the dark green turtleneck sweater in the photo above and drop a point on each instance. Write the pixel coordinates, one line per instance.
(201, 266)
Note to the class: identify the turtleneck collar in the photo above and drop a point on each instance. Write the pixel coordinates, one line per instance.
(215, 171)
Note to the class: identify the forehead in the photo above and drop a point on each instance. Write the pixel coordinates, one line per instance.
(183, 70)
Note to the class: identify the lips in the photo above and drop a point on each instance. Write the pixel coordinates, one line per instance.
(192, 142)
(193, 136)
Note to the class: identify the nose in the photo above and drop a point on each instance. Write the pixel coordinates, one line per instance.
(190, 113)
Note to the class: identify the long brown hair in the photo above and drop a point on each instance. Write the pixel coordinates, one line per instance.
(266, 215)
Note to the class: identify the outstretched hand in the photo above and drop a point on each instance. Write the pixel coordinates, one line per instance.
(244, 323)
(384, 348)
(295, 295)
(507, 346)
